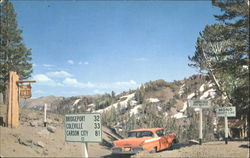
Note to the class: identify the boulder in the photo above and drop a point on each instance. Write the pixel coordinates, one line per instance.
(34, 124)
(193, 141)
(24, 141)
(39, 144)
(51, 129)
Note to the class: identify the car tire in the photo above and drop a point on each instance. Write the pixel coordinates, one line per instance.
(171, 147)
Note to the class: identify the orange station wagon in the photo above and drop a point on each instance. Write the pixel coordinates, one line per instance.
(151, 139)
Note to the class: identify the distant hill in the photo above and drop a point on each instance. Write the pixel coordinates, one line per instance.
(155, 104)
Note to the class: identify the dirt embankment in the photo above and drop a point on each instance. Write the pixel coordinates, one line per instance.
(32, 139)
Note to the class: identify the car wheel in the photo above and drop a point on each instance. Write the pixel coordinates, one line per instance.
(154, 150)
(171, 147)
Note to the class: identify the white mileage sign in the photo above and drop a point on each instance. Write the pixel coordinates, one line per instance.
(83, 127)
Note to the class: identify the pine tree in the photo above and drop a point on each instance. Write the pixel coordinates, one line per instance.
(14, 56)
(222, 50)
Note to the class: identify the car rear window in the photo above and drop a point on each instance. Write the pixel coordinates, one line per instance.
(140, 134)
(160, 133)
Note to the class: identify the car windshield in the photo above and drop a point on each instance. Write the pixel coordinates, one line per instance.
(140, 134)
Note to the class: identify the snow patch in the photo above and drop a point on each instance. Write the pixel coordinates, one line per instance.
(76, 102)
(122, 103)
(181, 91)
(179, 115)
(184, 107)
(245, 67)
(133, 102)
(165, 114)
(210, 85)
(153, 100)
(209, 93)
(190, 96)
(91, 105)
(135, 110)
(159, 108)
(202, 88)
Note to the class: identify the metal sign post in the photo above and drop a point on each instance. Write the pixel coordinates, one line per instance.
(226, 128)
(45, 115)
(83, 128)
(85, 150)
(200, 133)
(201, 104)
(226, 112)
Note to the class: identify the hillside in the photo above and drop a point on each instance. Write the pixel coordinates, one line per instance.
(154, 104)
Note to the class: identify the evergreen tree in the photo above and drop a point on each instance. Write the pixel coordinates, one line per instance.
(14, 56)
(222, 51)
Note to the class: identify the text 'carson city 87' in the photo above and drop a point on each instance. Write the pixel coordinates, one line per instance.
(83, 127)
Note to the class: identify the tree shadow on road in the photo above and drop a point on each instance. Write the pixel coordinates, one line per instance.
(117, 156)
(181, 145)
(244, 146)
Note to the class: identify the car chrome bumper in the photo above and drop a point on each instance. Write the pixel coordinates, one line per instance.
(122, 150)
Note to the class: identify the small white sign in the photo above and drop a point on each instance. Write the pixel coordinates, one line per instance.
(83, 127)
(199, 103)
(228, 111)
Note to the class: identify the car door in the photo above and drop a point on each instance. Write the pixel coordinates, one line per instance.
(163, 141)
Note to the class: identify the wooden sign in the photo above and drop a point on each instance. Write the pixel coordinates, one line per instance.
(25, 91)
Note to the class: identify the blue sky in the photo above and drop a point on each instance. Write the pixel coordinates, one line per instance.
(84, 47)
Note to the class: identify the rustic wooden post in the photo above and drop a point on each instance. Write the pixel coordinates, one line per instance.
(13, 101)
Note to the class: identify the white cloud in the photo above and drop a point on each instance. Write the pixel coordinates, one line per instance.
(59, 74)
(115, 85)
(42, 78)
(71, 62)
(73, 82)
(85, 63)
(47, 65)
(45, 80)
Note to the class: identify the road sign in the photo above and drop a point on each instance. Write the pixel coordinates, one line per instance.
(229, 111)
(83, 127)
(199, 103)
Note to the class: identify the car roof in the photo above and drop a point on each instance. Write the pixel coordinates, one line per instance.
(146, 129)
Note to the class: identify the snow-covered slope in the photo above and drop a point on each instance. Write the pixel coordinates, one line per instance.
(123, 104)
